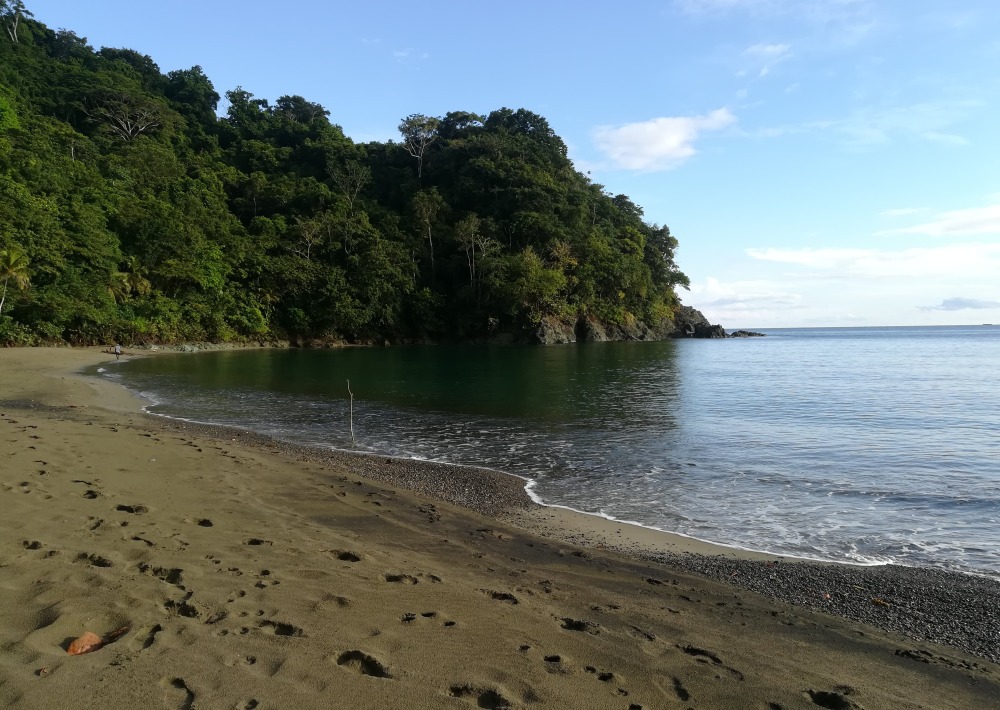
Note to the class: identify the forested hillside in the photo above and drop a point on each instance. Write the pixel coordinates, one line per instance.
(131, 211)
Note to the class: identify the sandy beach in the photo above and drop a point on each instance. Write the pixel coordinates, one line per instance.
(244, 573)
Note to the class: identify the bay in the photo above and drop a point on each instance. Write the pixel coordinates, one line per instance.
(866, 445)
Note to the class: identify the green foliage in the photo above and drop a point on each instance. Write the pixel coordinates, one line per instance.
(8, 114)
(136, 213)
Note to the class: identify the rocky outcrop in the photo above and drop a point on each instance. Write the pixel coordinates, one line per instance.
(553, 331)
(692, 323)
(688, 323)
(746, 334)
(588, 330)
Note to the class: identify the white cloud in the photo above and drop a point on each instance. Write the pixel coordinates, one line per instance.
(767, 56)
(928, 121)
(900, 212)
(740, 295)
(958, 303)
(769, 51)
(835, 286)
(880, 125)
(978, 220)
(660, 143)
(854, 17)
(405, 55)
(959, 262)
(741, 303)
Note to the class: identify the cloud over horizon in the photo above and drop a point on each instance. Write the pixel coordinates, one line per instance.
(960, 304)
(959, 261)
(974, 221)
(659, 143)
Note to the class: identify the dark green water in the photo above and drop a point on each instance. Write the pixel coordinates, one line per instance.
(594, 383)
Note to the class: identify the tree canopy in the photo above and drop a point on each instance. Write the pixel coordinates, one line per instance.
(137, 213)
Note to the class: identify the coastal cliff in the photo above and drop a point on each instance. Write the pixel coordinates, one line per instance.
(688, 322)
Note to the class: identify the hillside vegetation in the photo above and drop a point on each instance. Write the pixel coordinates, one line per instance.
(131, 211)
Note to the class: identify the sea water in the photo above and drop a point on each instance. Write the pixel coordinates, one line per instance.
(867, 445)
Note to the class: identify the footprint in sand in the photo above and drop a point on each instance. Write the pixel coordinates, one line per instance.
(182, 608)
(146, 638)
(346, 555)
(401, 579)
(363, 664)
(835, 699)
(482, 697)
(177, 696)
(603, 676)
(409, 617)
(170, 575)
(279, 628)
(500, 596)
(586, 626)
(703, 656)
(554, 664)
(93, 560)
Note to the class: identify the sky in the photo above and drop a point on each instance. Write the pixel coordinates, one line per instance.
(821, 162)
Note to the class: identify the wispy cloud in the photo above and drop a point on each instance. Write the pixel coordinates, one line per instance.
(958, 261)
(660, 143)
(961, 304)
(900, 212)
(767, 56)
(854, 19)
(930, 121)
(740, 296)
(404, 55)
(742, 302)
(830, 286)
(881, 125)
(975, 221)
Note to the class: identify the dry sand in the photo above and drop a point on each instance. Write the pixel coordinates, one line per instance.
(252, 576)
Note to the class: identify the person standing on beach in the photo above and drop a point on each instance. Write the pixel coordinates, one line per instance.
(118, 351)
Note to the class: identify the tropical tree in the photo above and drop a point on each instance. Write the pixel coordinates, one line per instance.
(13, 267)
(418, 133)
(12, 11)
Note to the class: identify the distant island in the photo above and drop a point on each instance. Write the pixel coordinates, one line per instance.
(133, 213)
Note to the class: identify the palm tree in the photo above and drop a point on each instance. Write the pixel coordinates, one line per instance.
(135, 278)
(13, 267)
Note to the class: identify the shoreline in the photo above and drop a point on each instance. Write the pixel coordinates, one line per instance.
(507, 498)
(634, 534)
(255, 573)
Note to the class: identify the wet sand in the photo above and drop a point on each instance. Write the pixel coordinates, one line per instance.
(253, 574)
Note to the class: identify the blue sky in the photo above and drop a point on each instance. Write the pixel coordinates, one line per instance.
(822, 162)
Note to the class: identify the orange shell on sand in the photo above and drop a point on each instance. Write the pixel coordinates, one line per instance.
(86, 643)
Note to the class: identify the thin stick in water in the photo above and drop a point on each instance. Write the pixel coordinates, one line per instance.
(352, 411)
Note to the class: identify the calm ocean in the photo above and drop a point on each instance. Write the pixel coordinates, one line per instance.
(848, 444)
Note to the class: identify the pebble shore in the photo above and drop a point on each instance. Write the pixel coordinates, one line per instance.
(923, 603)
(926, 604)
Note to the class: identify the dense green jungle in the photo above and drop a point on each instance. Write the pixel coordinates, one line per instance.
(132, 211)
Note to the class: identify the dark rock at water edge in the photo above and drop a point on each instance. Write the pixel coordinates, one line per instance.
(746, 334)
(687, 323)
(554, 331)
(692, 323)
